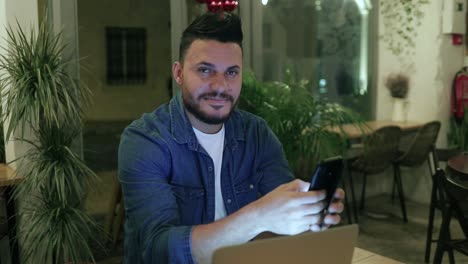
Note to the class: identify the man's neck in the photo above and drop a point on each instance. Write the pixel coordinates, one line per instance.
(202, 126)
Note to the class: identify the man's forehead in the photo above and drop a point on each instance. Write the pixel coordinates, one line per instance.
(206, 50)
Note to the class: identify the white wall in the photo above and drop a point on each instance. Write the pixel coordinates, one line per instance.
(435, 62)
(12, 13)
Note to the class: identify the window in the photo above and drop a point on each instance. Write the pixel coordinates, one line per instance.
(323, 43)
(126, 55)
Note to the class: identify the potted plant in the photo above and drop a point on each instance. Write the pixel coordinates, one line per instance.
(298, 119)
(398, 86)
(38, 92)
(458, 133)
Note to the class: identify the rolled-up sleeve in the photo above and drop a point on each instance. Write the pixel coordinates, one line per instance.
(153, 230)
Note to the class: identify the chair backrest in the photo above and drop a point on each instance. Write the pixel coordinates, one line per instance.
(456, 194)
(380, 150)
(421, 145)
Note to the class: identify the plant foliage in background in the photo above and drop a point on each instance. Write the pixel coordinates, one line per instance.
(401, 18)
(39, 88)
(458, 133)
(40, 93)
(298, 119)
(398, 85)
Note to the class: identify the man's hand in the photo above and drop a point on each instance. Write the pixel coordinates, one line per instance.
(291, 209)
(332, 216)
(288, 210)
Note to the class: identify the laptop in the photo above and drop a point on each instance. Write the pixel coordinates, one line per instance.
(333, 246)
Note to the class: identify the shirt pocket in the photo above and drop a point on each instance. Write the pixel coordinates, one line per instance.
(246, 192)
(191, 203)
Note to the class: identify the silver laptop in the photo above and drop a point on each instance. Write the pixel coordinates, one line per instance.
(333, 246)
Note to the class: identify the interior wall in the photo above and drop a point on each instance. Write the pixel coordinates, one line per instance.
(12, 14)
(124, 102)
(435, 62)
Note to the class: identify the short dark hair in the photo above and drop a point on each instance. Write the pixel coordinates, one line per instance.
(222, 27)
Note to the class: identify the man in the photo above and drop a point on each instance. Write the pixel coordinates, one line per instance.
(198, 174)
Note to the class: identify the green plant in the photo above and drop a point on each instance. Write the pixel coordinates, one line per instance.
(401, 18)
(298, 119)
(40, 93)
(458, 133)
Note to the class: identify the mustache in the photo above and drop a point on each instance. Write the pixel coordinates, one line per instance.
(216, 95)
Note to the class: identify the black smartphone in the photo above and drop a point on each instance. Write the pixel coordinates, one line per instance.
(327, 175)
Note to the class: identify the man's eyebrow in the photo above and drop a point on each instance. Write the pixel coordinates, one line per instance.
(204, 63)
(211, 65)
(235, 67)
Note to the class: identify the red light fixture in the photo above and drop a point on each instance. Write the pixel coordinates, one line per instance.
(219, 5)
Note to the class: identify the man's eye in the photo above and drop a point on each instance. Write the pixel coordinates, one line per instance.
(232, 73)
(204, 70)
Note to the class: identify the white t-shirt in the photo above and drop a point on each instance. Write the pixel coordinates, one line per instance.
(214, 146)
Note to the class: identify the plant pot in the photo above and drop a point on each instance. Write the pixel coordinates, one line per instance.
(400, 110)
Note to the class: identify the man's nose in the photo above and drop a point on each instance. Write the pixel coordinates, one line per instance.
(219, 82)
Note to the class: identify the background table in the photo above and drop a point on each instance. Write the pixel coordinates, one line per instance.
(353, 131)
(459, 164)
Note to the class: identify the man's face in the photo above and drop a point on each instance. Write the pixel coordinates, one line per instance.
(211, 79)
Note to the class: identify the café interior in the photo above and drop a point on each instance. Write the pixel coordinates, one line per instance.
(391, 73)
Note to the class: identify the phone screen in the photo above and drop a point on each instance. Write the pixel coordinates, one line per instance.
(327, 176)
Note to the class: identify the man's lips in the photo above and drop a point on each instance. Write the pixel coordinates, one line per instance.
(216, 102)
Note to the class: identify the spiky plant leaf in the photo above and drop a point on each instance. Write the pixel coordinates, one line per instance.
(40, 93)
(34, 81)
(53, 165)
(56, 232)
(54, 192)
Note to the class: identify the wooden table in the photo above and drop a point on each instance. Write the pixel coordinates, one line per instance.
(353, 131)
(7, 176)
(8, 179)
(459, 164)
(362, 256)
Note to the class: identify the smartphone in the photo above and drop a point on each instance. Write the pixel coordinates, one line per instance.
(327, 175)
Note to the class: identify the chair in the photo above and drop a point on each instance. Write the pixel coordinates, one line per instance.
(456, 195)
(4, 240)
(438, 155)
(379, 151)
(416, 154)
(115, 216)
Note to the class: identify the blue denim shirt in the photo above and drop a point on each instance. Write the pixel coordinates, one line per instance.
(167, 179)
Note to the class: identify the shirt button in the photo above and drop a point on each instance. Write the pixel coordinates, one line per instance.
(229, 201)
(251, 186)
(210, 168)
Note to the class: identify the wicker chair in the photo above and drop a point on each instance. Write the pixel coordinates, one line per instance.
(418, 152)
(439, 155)
(456, 195)
(379, 152)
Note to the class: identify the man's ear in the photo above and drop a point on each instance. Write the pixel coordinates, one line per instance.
(177, 72)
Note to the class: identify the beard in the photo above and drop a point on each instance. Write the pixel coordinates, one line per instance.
(193, 106)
